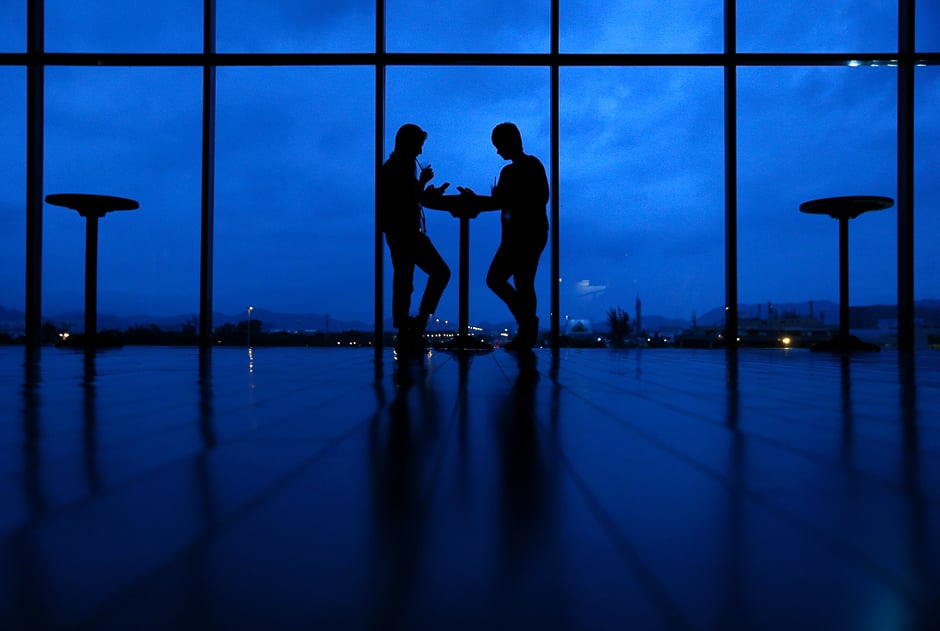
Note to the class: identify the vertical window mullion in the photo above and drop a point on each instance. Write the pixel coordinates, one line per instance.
(905, 166)
(208, 175)
(379, 250)
(35, 78)
(731, 175)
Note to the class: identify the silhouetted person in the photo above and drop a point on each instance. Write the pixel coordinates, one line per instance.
(521, 193)
(401, 218)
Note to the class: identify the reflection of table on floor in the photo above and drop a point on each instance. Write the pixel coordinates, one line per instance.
(844, 209)
(91, 207)
(463, 341)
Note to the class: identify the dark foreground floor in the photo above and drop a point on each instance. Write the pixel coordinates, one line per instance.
(303, 488)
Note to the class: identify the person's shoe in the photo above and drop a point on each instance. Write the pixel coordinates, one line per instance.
(410, 338)
(407, 342)
(533, 332)
(526, 336)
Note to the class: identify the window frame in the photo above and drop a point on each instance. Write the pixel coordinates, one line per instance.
(36, 59)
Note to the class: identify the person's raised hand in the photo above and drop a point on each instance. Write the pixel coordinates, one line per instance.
(437, 190)
(427, 174)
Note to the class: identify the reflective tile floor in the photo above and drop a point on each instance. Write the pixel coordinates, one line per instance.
(155, 488)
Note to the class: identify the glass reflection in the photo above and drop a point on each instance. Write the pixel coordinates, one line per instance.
(23, 601)
(401, 447)
(529, 533)
(90, 421)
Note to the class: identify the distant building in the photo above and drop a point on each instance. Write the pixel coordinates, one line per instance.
(578, 327)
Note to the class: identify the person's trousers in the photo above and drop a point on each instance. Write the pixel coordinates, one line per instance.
(517, 258)
(410, 251)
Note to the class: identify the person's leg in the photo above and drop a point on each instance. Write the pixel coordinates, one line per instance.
(497, 278)
(431, 263)
(403, 265)
(525, 264)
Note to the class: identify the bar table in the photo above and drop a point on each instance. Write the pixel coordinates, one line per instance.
(844, 209)
(463, 341)
(92, 208)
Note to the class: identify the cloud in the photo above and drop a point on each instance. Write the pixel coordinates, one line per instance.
(833, 26)
(651, 26)
(120, 26)
(468, 26)
(296, 26)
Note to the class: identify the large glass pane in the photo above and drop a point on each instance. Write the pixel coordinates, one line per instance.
(296, 26)
(927, 201)
(295, 197)
(805, 134)
(12, 202)
(813, 26)
(132, 133)
(118, 26)
(645, 26)
(642, 199)
(468, 26)
(13, 26)
(928, 26)
(459, 107)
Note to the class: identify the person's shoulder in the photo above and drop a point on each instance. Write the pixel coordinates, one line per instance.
(533, 159)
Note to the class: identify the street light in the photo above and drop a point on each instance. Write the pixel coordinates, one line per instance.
(250, 309)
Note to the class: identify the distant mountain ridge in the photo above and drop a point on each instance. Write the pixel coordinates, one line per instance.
(13, 321)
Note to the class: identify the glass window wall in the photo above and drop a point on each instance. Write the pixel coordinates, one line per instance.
(641, 152)
(642, 199)
(13, 26)
(927, 26)
(479, 26)
(295, 196)
(12, 201)
(295, 26)
(118, 26)
(458, 107)
(790, 26)
(135, 133)
(644, 26)
(927, 195)
(804, 134)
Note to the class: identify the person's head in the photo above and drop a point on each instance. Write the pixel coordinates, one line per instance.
(409, 139)
(507, 140)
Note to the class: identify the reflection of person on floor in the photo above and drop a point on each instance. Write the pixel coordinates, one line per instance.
(522, 194)
(401, 218)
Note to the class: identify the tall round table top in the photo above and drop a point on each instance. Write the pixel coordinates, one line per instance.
(848, 207)
(94, 205)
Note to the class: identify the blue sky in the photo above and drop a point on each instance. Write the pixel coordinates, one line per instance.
(641, 181)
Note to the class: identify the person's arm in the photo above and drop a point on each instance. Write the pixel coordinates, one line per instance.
(469, 204)
(433, 197)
